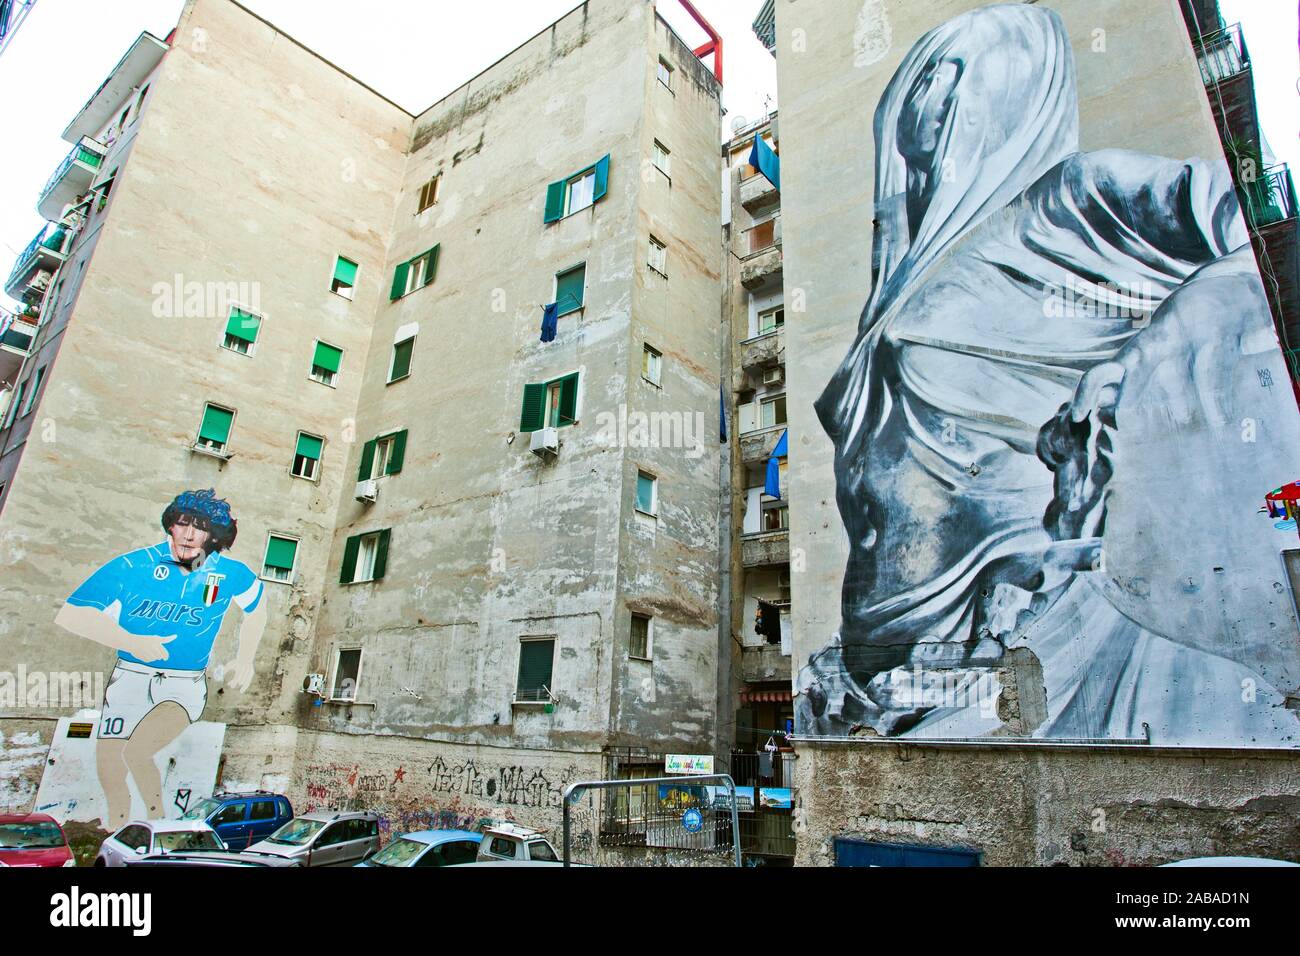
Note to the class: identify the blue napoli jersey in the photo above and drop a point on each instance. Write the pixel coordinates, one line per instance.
(149, 594)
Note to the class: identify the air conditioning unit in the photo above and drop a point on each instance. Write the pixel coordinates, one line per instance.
(774, 376)
(367, 491)
(546, 443)
(314, 684)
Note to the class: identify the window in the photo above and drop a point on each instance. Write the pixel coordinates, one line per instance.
(415, 274)
(541, 850)
(552, 404)
(429, 193)
(772, 413)
(776, 519)
(658, 260)
(570, 289)
(639, 645)
(771, 320)
(139, 100)
(306, 456)
(233, 813)
(126, 114)
(277, 565)
(647, 493)
(262, 810)
(536, 656)
(400, 365)
(665, 73)
(37, 379)
(241, 331)
(214, 432)
(651, 365)
(347, 674)
(365, 558)
(662, 159)
(13, 409)
(383, 456)
(345, 278)
(577, 192)
(325, 362)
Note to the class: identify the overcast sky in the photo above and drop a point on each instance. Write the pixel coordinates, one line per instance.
(416, 51)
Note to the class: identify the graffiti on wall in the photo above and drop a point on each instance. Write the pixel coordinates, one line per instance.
(161, 608)
(1051, 426)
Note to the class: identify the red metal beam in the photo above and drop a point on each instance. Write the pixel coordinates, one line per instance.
(714, 45)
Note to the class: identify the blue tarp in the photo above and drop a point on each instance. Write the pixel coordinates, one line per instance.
(772, 488)
(765, 161)
(550, 322)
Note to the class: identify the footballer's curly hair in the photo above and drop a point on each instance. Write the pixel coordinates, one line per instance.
(208, 513)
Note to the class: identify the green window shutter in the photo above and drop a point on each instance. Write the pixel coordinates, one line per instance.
(569, 399)
(350, 551)
(398, 455)
(216, 424)
(91, 159)
(569, 289)
(345, 271)
(431, 267)
(535, 660)
(280, 553)
(602, 180)
(555, 201)
(399, 282)
(533, 416)
(243, 325)
(327, 357)
(381, 555)
(309, 447)
(367, 460)
(402, 359)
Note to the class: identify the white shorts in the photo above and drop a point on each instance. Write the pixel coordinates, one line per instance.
(134, 690)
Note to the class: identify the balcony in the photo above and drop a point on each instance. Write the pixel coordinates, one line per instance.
(1270, 199)
(1223, 55)
(763, 351)
(36, 266)
(762, 663)
(131, 71)
(762, 254)
(1270, 207)
(756, 447)
(73, 177)
(765, 549)
(16, 336)
(757, 193)
(1225, 69)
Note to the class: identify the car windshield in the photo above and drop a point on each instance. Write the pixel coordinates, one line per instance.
(398, 853)
(200, 810)
(184, 841)
(297, 832)
(29, 836)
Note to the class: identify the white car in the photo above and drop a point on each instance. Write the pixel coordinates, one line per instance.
(141, 838)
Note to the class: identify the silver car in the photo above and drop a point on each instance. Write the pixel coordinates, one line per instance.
(141, 838)
(326, 838)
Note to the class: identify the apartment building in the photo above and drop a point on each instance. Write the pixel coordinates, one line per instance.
(1024, 237)
(453, 383)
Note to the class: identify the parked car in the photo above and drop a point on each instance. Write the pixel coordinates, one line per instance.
(428, 848)
(144, 837)
(216, 860)
(1245, 861)
(327, 838)
(33, 839)
(242, 819)
(512, 843)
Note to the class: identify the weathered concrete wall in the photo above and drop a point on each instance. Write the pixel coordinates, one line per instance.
(1044, 807)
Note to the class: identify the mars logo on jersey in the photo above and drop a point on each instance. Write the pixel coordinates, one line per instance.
(211, 589)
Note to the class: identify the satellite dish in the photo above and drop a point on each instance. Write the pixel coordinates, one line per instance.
(738, 124)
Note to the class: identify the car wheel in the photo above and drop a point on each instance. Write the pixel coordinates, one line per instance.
(100, 862)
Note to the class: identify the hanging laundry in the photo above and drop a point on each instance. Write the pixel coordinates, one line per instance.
(772, 487)
(765, 161)
(550, 322)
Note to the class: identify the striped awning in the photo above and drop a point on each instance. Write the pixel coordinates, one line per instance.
(755, 696)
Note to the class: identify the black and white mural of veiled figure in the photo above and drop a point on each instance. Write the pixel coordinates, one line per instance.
(1054, 428)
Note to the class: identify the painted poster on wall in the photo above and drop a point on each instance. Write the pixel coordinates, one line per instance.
(161, 608)
(1054, 427)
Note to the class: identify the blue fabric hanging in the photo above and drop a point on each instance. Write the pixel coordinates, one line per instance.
(772, 488)
(550, 322)
(722, 416)
(766, 162)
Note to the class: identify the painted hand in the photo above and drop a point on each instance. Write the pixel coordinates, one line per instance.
(148, 649)
(239, 675)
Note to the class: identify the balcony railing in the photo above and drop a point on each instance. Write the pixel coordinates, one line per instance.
(33, 247)
(1270, 198)
(1223, 55)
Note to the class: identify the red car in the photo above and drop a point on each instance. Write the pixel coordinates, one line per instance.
(33, 839)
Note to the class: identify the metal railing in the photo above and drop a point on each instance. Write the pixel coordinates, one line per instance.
(1270, 198)
(28, 254)
(83, 151)
(1223, 55)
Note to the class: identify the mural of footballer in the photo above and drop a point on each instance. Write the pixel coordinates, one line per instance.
(161, 609)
